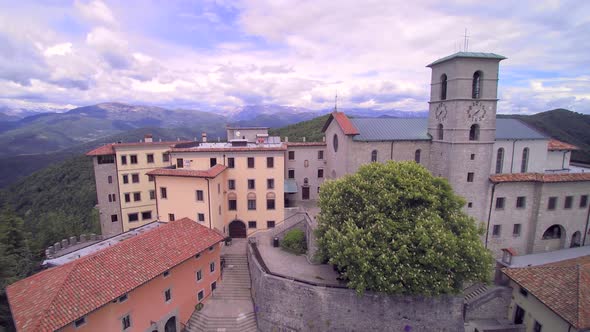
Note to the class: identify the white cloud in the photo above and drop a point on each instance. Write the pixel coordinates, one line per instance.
(96, 11)
(58, 49)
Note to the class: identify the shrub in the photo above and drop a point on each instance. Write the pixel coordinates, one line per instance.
(294, 242)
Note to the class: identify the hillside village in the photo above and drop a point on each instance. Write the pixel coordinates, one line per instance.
(191, 230)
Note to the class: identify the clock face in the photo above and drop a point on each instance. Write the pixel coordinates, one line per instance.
(476, 111)
(441, 112)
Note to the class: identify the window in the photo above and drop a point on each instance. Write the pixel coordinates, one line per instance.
(291, 174)
(112, 198)
(251, 184)
(126, 321)
(524, 165)
(80, 322)
(200, 295)
(569, 201)
(212, 162)
(114, 218)
(219, 188)
(500, 203)
(470, 204)
(537, 327)
(496, 230)
(552, 203)
(374, 156)
(553, 232)
(516, 230)
(523, 292)
(125, 178)
(231, 162)
(133, 159)
(199, 275)
(270, 183)
(474, 133)
(470, 176)
(108, 159)
(499, 160)
(133, 217)
(165, 157)
(270, 162)
(417, 156)
(270, 224)
(583, 201)
(152, 194)
(163, 193)
(179, 163)
(251, 224)
(150, 158)
(476, 86)
(212, 267)
(110, 179)
(201, 217)
(320, 173)
(443, 87)
(211, 248)
(335, 143)
(199, 194)
(146, 215)
(232, 202)
(123, 298)
(123, 160)
(440, 131)
(136, 196)
(166, 273)
(151, 178)
(127, 197)
(472, 157)
(291, 155)
(251, 204)
(321, 154)
(520, 202)
(135, 178)
(270, 201)
(167, 295)
(250, 162)
(213, 286)
(231, 184)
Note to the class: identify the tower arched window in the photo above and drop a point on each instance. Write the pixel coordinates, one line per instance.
(440, 131)
(373, 155)
(443, 87)
(476, 86)
(474, 133)
(499, 160)
(335, 143)
(417, 155)
(524, 165)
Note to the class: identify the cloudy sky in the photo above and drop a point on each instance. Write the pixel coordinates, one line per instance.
(224, 54)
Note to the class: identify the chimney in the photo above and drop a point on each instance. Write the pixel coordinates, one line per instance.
(304, 138)
(148, 138)
(324, 139)
(204, 137)
(286, 139)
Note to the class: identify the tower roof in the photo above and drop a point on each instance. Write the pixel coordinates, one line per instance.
(474, 55)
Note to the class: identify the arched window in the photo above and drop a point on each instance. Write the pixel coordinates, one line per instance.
(476, 86)
(524, 165)
(417, 155)
(553, 232)
(373, 155)
(251, 196)
(335, 143)
(440, 131)
(443, 87)
(306, 182)
(474, 133)
(499, 160)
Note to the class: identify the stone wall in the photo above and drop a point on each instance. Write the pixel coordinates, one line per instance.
(493, 305)
(289, 305)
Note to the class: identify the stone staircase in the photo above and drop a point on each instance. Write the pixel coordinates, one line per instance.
(230, 308)
(475, 291)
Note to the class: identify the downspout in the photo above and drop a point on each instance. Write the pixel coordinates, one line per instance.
(156, 194)
(391, 155)
(209, 203)
(512, 160)
(563, 160)
(118, 191)
(586, 229)
(490, 214)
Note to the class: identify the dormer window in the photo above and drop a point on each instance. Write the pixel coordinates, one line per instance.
(476, 86)
(443, 87)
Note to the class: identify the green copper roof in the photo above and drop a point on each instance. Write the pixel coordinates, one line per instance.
(476, 55)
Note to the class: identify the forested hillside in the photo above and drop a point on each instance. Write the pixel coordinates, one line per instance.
(311, 130)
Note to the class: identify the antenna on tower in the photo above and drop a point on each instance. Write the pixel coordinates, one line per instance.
(465, 41)
(336, 102)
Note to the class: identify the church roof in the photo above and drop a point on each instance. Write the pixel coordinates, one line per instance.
(516, 129)
(475, 55)
(391, 129)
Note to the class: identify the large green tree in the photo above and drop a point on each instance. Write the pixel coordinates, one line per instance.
(395, 228)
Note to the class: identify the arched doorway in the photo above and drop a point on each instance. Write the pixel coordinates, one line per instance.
(237, 229)
(170, 325)
(576, 239)
(554, 238)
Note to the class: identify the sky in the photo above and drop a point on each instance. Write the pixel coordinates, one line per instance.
(220, 55)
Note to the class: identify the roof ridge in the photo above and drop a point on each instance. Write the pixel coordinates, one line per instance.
(57, 291)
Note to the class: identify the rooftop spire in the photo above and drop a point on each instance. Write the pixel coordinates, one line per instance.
(336, 102)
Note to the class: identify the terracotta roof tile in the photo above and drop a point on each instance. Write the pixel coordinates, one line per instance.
(210, 173)
(102, 150)
(110, 148)
(540, 177)
(282, 147)
(347, 127)
(53, 298)
(559, 145)
(305, 144)
(563, 287)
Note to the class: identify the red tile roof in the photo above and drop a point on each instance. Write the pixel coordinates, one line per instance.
(231, 149)
(347, 127)
(110, 148)
(563, 287)
(559, 145)
(305, 144)
(210, 173)
(51, 299)
(540, 177)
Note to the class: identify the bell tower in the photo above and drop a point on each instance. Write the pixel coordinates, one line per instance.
(462, 123)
